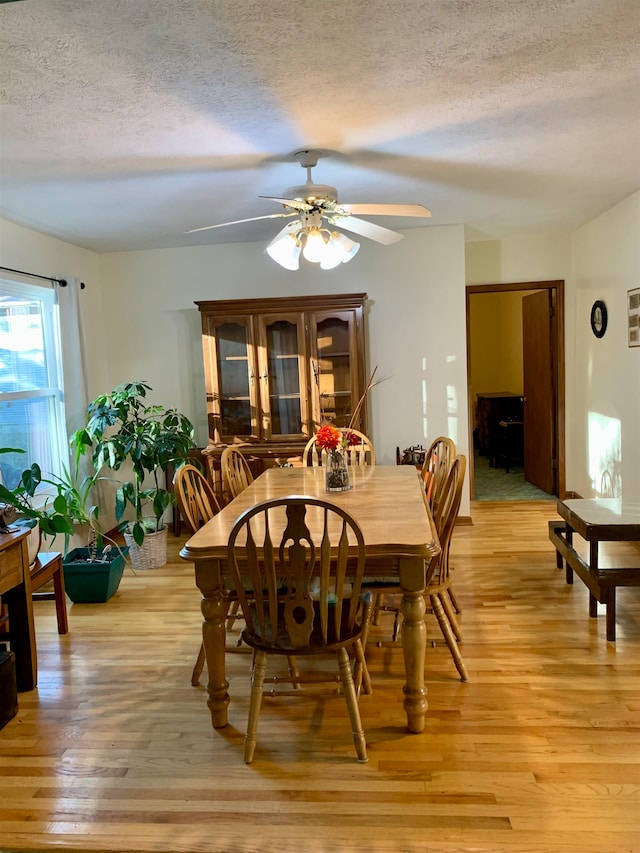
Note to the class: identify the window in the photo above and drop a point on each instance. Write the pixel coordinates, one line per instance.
(31, 401)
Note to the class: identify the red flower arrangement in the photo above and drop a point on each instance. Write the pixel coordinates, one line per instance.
(329, 437)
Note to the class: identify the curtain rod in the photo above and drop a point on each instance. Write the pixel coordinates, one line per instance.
(61, 281)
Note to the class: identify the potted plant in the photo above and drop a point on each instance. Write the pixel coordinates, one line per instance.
(93, 572)
(123, 428)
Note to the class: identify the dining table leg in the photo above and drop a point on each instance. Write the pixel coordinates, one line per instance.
(214, 611)
(414, 640)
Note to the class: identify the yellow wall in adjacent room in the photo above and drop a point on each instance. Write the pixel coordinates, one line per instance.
(495, 333)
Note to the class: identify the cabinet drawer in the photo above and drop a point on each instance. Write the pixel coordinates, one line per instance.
(11, 566)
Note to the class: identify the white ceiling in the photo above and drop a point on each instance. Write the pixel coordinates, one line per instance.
(126, 122)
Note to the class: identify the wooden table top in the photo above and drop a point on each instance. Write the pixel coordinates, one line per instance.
(602, 519)
(387, 501)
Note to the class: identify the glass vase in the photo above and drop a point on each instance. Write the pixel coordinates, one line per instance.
(336, 472)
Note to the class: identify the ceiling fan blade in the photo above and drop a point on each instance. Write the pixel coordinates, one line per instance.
(387, 209)
(367, 229)
(290, 202)
(240, 221)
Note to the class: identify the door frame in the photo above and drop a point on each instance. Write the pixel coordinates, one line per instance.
(556, 289)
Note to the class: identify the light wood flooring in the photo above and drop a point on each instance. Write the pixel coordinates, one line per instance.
(538, 753)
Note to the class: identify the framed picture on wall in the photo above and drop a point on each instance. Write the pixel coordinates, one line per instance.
(633, 301)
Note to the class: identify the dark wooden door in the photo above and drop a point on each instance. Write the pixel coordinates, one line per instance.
(539, 396)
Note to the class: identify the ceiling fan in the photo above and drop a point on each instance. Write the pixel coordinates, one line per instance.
(314, 210)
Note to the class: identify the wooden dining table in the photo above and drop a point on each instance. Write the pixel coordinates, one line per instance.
(389, 504)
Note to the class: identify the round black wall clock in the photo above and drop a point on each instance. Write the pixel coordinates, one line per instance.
(599, 318)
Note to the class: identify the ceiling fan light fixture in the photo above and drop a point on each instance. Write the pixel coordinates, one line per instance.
(349, 247)
(315, 245)
(333, 255)
(314, 204)
(339, 250)
(285, 250)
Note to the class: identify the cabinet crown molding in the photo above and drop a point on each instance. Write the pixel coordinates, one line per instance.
(334, 301)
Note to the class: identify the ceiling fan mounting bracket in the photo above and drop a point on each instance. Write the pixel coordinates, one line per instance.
(307, 158)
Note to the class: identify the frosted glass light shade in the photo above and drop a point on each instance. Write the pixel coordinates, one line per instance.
(333, 254)
(314, 246)
(349, 247)
(285, 250)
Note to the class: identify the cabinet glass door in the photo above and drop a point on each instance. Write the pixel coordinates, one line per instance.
(235, 406)
(282, 376)
(334, 371)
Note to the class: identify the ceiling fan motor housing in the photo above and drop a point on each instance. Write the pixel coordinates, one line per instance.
(312, 193)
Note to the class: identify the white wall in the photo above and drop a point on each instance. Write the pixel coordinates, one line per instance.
(141, 321)
(413, 329)
(606, 424)
(601, 260)
(537, 257)
(415, 322)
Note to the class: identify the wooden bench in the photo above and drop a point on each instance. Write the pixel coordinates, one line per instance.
(48, 567)
(603, 564)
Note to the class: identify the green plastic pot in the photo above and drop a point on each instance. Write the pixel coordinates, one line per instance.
(88, 582)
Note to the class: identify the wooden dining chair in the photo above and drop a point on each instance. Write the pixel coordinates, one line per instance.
(236, 474)
(312, 603)
(360, 453)
(435, 470)
(198, 504)
(196, 500)
(438, 590)
(439, 583)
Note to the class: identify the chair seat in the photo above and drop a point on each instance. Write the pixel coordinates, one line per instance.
(282, 645)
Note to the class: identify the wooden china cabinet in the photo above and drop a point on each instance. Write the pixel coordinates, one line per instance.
(275, 369)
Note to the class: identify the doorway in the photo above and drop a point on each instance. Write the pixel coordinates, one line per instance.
(515, 338)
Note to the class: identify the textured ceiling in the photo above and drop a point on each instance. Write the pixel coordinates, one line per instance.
(124, 123)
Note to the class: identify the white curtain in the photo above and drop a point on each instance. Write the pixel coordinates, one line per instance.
(76, 396)
(75, 386)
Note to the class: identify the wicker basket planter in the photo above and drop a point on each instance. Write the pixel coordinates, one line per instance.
(152, 553)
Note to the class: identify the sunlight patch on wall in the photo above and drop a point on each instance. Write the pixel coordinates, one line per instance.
(452, 405)
(452, 411)
(425, 422)
(605, 455)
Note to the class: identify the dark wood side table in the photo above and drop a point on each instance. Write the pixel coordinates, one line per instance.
(15, 589)
(510, 445)
(491, 408)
